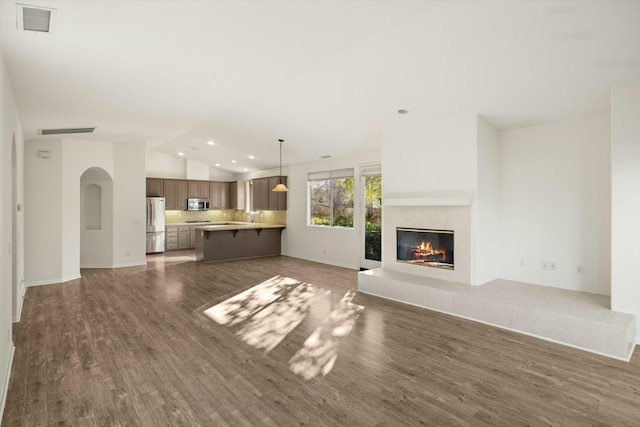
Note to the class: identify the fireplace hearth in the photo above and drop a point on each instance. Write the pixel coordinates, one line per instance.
(425, 247)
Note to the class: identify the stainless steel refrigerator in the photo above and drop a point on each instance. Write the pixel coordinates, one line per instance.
(156, 237)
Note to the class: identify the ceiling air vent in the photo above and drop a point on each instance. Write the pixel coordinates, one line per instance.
(63, 131)
(35, 18)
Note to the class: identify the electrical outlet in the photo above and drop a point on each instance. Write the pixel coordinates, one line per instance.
(324, 252)
(545, 265)
(579, 269)
(552, 266)
(521, 263)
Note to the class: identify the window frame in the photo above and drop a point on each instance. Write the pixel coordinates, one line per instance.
(332, 177)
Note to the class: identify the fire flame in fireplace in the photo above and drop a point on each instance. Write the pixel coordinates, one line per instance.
(426, 252)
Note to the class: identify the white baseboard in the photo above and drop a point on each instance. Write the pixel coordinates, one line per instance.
(23, 291)
(96, 265)
(53, 281)
(5, 386)
(130, 264)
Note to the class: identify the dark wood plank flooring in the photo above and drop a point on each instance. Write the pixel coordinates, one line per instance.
(132, 347)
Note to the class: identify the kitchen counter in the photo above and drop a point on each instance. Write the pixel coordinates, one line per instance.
(235, 225)
(236, 240)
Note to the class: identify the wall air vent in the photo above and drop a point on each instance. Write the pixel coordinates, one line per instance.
(63, 131)
(35, 18)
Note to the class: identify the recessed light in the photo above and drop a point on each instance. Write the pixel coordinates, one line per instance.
(233, 161)
(180, 153)
(402, 111)
(246, 170)
(210, 142)
(218, 164)
(251, 156)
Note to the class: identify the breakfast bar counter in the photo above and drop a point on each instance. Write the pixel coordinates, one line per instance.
(237, 240)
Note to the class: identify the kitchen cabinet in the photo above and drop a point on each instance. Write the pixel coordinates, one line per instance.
(277, 199)
(175, 194)
(265, 199)
(198, 189)
(219, 195)
(242, 242)
(181, 237)
(236, 195)
(155, 187)
(260, 194)
(172, 238)
(184, 236)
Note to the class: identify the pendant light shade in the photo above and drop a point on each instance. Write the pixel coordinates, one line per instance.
(280, 187)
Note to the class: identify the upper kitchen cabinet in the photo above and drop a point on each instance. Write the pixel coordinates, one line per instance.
(260, 194)
(236, 195)
(155, 187)
(175, 194)
(277, 199)
(219, 195)
(198, 189)
(265, 199)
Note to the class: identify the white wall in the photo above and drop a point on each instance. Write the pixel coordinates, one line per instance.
(43, 212)
(10, 297)
(160, 165)
(197, 170)
(77, 157)
(434, 157)
(335, 246)
(215, 174)
(554, 204)
(129, 208)
(53, 241)
(486, 209)
(96, 244)
(625, 199)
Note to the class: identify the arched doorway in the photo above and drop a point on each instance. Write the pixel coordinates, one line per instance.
(96, 219)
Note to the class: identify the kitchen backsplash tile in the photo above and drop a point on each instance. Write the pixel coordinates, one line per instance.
(269, 217)
(173, 217)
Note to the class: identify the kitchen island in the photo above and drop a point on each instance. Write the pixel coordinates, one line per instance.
(237, 240)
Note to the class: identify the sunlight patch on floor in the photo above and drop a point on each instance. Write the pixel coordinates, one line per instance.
(320, 350)
(265, 314)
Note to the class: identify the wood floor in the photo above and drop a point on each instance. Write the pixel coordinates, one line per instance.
(132, 346)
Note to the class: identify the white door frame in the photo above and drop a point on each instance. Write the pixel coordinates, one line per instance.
(362, 173)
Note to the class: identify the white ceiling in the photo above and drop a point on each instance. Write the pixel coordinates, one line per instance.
(326, 76)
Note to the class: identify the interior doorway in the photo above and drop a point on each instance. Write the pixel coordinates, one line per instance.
(371, 230)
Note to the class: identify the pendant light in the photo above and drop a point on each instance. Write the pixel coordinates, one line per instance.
(280, 186)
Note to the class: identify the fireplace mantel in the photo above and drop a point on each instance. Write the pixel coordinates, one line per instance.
(432, 199)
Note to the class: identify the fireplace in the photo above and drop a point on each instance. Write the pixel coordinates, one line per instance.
(424, 247)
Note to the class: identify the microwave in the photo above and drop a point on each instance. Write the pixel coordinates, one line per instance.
(197, 204)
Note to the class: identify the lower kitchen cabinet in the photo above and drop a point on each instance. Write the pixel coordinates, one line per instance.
(181, 237)
(235, 244)
(172, 238)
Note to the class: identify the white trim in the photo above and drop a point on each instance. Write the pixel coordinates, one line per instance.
(5, 386)
(434, 199)
(130, 264)
(53, 281)
(96, 265)
(18, 315)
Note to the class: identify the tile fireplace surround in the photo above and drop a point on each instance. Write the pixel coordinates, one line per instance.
(572, 318)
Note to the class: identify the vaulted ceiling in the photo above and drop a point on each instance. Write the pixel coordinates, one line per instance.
(328, 77)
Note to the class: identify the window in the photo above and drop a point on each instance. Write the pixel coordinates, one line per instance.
(331, 198)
